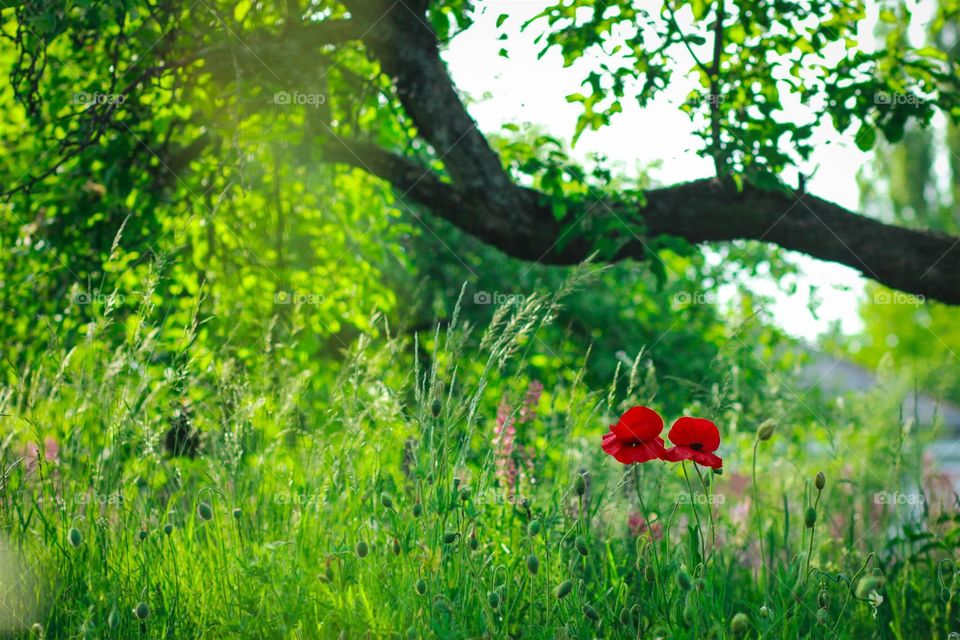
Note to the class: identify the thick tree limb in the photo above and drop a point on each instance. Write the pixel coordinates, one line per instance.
(484, 201)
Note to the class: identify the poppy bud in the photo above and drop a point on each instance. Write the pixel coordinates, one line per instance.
(450, 537)
(435, 408)
(429, 478)
(581, 544)
(580, 484)
(141, 535)
(810, 518)
(590, 612)
(386, 501)
(417, 509)
(533, 564)
(142, 611)
(868, 584)
(113, 620)
(822, 616)
(75, 537)
(718, 471)
(740, 624)
(474, 544)
(823, 599)
(945, 594)
(456, 483)
(168, 528)
(765, 432)
(764, 611)
(533, 528)
(493, 599)
(820, 481)
(525, 503)
(237, 513)
(650, 574)
(683, 579)
(412, 633)
(396, 547)
(204, 511)
(626, 619)
(420, 586)
(362, 549)
(564, 589)
(36, 629)
(465, 494)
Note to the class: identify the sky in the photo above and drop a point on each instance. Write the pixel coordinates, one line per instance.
(522, 89)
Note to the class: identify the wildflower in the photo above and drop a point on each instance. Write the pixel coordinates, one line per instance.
(638, 526)
(694, 439)
(635, 437)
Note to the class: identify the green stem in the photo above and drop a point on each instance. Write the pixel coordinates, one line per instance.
(696, 512)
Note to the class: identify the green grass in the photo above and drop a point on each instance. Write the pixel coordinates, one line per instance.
(380, 510)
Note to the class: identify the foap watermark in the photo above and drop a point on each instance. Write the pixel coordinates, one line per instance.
(102, 499)
(298, 298)
(712, 99)
(898, 498)
(496, 297)
(86, 98)
(884, 97)
(694, 297)
(898, 297)
(296, 98)
(98, 297)
(298, 499)
(701, 498)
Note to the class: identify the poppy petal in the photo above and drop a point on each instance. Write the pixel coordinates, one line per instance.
(638, 423)
(707, 459)
(687, 431)
(627, 454)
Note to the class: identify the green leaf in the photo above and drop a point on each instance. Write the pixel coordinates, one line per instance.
(866, 137)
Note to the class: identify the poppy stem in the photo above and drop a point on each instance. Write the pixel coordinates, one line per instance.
(653, 541)
(713, 528)
(756, 517)
(696, 512)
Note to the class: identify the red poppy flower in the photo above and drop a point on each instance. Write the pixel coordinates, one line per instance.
(636, 436)
(695, 439)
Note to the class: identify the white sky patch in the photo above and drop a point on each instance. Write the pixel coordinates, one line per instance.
(522, 89)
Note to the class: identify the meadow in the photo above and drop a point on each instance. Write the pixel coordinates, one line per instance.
(442, 492)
